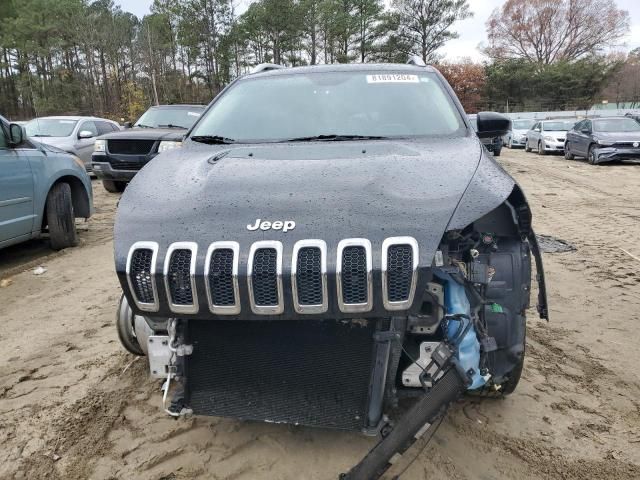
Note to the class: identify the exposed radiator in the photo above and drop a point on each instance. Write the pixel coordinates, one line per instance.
(314, 373)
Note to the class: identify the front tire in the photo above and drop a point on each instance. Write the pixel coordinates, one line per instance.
(113, 187)
(496, 152)
(567, 154)
(61, 218)
(591, 157)
(126, 330)
(541, 149)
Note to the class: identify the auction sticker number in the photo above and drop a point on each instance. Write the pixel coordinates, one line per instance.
(392, 78)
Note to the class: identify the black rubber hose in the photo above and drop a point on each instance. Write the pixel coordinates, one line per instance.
(403, 434)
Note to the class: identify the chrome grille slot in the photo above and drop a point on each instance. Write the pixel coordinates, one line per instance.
(179, 277)
(309, 276)
(140, 271)
(399, 272)
(221, 277)
(264, 276)
(353, 275)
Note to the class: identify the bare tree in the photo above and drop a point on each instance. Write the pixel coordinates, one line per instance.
(545, 31)
(425, 25)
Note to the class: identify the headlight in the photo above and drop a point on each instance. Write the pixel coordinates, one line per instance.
(549, 139)
(168, 145)
(100, 146)
(605, 143)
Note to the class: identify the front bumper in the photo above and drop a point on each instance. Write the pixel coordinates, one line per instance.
(104, 171)
(518, 141)
(554, 146)
(611, 154)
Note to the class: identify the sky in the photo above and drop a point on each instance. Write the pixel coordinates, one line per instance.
(471, 31)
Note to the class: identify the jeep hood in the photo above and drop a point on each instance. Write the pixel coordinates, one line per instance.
(331, 190)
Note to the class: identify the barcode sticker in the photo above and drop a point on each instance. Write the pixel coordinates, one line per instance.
(392, 78)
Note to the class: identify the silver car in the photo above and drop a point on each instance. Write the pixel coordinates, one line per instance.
(517, 136)
(548, 136)
(75, 135)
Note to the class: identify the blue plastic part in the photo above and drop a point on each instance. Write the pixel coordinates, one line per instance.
(468, 353)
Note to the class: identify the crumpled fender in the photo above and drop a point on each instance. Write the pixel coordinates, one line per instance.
(490, 187)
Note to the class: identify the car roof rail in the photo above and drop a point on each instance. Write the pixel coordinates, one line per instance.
(264, 67)
(416, 60)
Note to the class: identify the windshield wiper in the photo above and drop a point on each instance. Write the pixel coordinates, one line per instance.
(172, 126)
(213, 139)
(142, 125)
(41, 135)
(334, 138)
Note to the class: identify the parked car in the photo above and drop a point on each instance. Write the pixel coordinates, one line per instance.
(635, 116)
(604, 139)
(548, 136)
(75, 135)
(517, 136)
(119, 156)
(42, 188)
(493, 144)
(328, 240)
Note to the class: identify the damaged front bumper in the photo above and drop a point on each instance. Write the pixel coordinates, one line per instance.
(611, 154)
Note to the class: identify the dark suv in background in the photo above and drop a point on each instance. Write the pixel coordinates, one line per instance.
(118, 156)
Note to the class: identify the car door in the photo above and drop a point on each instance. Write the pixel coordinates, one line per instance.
(583, 137)
(572, 137)
(534, 135)
(84, 146)
(16, 190)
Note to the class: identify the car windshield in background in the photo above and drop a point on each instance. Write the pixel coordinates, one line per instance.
(170, 117)
(558, 126)
(616, 125)
(521, 124)
(50, 127)
(331, 106)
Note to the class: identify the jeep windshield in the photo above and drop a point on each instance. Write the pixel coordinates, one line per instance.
(170, 117)
(330, 106)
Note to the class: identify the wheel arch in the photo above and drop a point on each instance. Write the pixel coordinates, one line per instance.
(79, 197)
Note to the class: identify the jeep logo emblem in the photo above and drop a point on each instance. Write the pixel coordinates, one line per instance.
(284, 225)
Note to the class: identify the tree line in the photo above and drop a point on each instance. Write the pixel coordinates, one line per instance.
(91, 57)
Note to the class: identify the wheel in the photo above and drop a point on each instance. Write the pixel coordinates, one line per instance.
(567, 154)
(113, 186)
(591, 157)
(125, 323)
(526, 146)
(541, 150)
(509, 386)
(496, 152)
(60, 217)
(510, 143)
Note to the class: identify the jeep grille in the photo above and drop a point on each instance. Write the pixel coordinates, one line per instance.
(309, 284)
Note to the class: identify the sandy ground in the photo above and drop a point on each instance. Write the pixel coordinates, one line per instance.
(73, 404)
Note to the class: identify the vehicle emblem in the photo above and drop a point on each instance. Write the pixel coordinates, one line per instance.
(284, 225)
(636, 144)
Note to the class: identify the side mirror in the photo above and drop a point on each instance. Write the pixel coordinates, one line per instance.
(85, 134)
(492, 124)
(16, 134)
(128, 124)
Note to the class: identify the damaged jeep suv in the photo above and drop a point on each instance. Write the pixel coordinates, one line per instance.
(330, 242)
